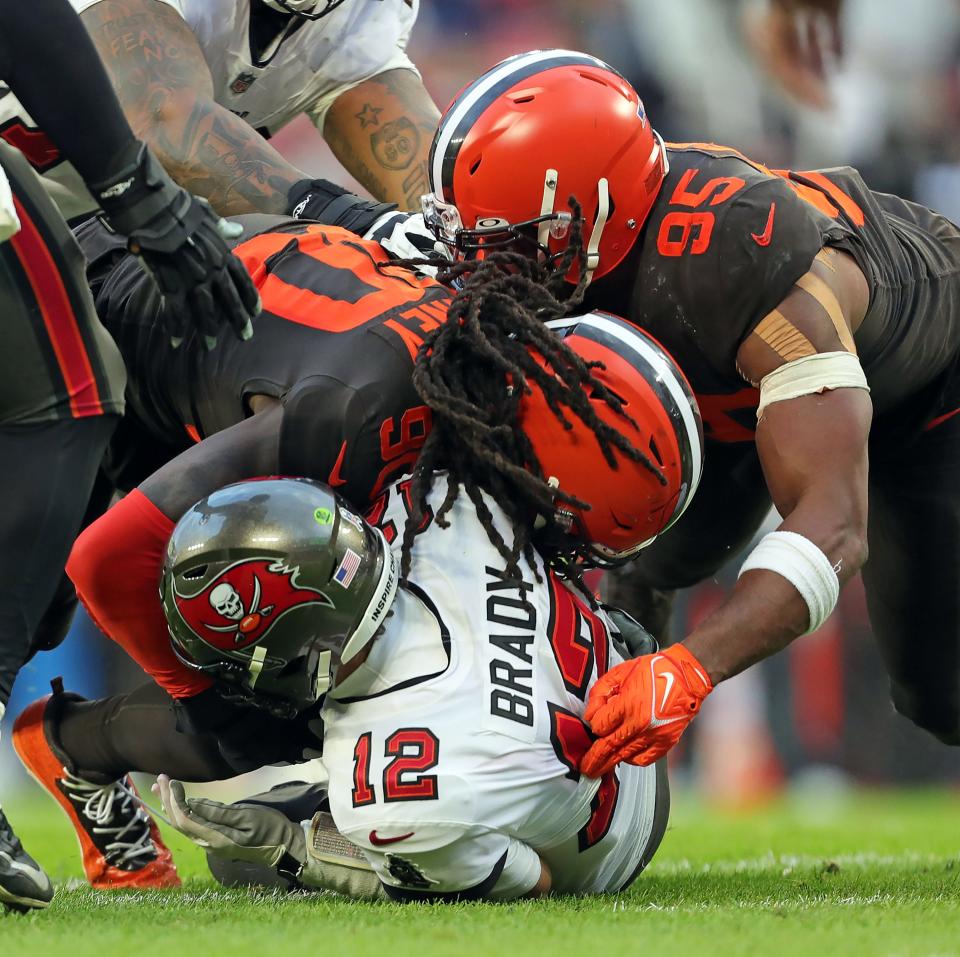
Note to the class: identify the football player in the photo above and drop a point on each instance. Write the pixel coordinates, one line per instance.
(206, 82)
(61, 377)
(817, 321)
(453, 724)
(325, 390)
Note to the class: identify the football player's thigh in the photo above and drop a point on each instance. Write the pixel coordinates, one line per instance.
(912, 578)
(47, 474)
(135, 731)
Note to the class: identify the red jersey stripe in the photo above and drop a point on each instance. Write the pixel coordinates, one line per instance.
(58, 316)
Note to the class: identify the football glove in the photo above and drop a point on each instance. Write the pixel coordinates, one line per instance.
(325, 202)
(180, 241)
(626, 630)
(405, 236)
(314, 855)
(639, 709)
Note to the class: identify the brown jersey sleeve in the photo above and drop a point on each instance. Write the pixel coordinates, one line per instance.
(763, 241)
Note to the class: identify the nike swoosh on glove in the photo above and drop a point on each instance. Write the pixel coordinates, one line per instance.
(639, 709)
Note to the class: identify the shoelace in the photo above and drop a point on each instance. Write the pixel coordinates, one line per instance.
(103, 804)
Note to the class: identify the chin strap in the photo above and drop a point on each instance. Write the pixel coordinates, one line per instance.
(603, 213)
(547, 206)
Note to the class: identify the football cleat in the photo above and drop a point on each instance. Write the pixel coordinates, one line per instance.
(119, 840)
(23, 885)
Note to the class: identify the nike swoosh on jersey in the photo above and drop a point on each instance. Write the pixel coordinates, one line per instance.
(763, 239)
(336, 478)
(384, 841)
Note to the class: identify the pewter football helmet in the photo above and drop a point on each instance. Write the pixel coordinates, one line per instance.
(269, 585)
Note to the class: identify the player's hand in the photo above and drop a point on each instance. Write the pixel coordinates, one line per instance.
(181, 242)
(241, 832)
(639, 709)
(406, 236)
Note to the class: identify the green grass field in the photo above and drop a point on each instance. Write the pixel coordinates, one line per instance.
(870, 874)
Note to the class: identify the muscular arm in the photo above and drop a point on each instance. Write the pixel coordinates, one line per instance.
(814, 455)
(381, 131)
(166, 91)
(50, 64)
(245, 450)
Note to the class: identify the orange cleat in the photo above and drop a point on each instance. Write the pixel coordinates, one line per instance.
(119, 840)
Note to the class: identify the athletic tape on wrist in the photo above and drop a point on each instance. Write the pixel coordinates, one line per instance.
(804, 565)
(809, 375)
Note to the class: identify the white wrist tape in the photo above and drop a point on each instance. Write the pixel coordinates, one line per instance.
(811, 374)
(804, 565)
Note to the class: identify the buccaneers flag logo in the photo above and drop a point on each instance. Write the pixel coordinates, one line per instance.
(245, 601)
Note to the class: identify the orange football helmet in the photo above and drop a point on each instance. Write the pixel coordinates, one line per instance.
(630, 503)
(532, 131)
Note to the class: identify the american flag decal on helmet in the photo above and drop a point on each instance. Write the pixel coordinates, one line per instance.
(347, 569)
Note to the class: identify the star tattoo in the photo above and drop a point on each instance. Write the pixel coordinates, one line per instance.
(369, 115)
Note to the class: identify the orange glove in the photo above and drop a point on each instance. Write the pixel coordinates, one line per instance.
(639, 709)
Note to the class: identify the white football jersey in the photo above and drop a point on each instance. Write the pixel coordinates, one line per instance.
(9, 221)
(452, 751)
(304, 74)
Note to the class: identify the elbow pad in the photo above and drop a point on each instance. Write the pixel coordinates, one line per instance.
(325, 202)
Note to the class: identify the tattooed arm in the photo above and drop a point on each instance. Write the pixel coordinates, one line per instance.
(166, 91)
(381, 131)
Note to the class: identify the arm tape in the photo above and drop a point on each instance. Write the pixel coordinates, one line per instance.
(809, 375)
(804, 565)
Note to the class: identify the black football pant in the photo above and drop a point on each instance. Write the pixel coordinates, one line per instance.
(47, 474)
(105, 739)
(911, 577)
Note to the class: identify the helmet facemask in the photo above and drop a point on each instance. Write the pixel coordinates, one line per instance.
(304, 9)
(529, 237)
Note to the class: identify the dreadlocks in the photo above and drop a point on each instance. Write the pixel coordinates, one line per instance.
(473, 372)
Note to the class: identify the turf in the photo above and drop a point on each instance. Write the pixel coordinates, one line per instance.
(872, 874)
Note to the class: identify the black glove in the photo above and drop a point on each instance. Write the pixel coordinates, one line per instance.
(630, 633)
(249, 737)
(325, 202)
(180, 241)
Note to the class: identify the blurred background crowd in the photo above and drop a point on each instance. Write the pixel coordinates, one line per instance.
(869, 83)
